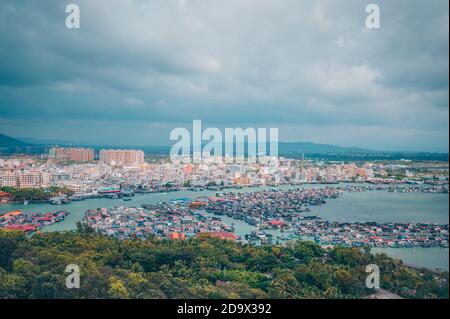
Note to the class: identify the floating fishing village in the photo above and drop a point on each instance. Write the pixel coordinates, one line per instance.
(397, 188)
(275, 217)
(30, 222)
(165, 220)
(287, 211)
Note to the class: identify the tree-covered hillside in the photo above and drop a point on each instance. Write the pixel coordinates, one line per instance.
(34, 267)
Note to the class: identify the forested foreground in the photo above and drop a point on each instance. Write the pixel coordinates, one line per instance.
(34, 267)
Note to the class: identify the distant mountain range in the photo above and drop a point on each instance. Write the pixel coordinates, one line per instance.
(10, 145)
(35, 141)
(284, 147)
(314, 148)
(7, 141)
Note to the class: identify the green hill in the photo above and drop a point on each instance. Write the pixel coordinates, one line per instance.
(198, 268)
(7, 141)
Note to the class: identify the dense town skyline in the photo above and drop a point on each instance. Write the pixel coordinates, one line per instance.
(136, 70)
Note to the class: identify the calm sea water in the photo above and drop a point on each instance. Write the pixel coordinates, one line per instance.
(432, 258)
(385, 207)
(378, 206)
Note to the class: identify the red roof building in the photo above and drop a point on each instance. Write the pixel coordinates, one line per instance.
(24, 228)
(278, 223)
(177, 236)
(221, 235)
(5, 197)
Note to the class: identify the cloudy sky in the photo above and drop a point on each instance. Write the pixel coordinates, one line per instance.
(138, 68)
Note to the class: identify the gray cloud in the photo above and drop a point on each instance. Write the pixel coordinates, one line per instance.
(310, 68)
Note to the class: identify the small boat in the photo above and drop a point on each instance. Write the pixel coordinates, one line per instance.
(25, 202)
(127, 199)
(55, 201)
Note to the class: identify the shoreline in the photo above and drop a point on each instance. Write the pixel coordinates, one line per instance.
(78, 208)
(388, 186)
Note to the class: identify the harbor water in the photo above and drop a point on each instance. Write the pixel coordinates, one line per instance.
(377, 206)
